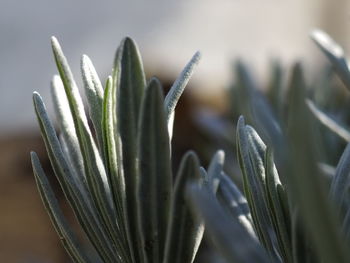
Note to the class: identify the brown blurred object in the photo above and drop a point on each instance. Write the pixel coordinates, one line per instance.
(26, 233)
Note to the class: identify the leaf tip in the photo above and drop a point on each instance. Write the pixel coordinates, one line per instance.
(241, 121)
(54, 43)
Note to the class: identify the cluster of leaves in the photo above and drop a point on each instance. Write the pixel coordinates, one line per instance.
(290, 211)
(117, 176)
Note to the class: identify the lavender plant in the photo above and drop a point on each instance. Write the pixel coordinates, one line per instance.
(289, 212)
(117, 175)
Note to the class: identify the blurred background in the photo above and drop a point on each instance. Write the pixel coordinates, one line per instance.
(168, 34)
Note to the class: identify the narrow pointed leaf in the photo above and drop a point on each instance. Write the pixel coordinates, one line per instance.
(95, 172)
(234, 202)
(112, 147)
(279, 218)
(185, 231)
(251, 151)
(79, 199)
(66, 125)
(130, 80)
(155, 183)
(94, 94)
(275, 88)
(227, 235)
(302, 248)
(340, 183)
(215, 169)
(63, 229)
(315, 209)
(328, 121)
(177, 89)
(334, 53)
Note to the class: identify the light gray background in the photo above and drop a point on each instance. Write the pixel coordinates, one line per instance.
(168, 33)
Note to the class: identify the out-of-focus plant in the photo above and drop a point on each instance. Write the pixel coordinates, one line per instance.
(289, 212)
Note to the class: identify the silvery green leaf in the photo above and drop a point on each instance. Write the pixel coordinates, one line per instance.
(129, 78)
(185, 231)
(280, 218)
(250, 153)
(155, 182)
(94, 168)
(78, 197)
(334, 53)
(234, 202)
(215, 169)
(177, 89)
(328, 121)
(94, 93)
(66, 125)
(306, 187)
(63, 229)
(112, 153)
(228, 236)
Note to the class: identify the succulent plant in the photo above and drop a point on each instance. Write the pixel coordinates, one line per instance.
(289, 212)
(117, 175)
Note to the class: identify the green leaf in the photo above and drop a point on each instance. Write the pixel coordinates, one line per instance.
(303, 251)
(233, 242)
(275, 88)
(130, 80)
(63, 229)
(251, 153)
(279, 215)
(185, 232)
(267, 125)
(94, 93)
(112, 147)
(72, 186)
(66, 125)
(306, 187)
(177, 89)
(215, 169)
(346, 225)
(334, 53)
(340, 184)
(155, 183)
(328, 122)
(244, 89)
(257, 110)
(94, 169)
(234, 202)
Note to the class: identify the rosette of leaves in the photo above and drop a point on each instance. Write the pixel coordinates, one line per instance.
(288, 212)
(116, 175)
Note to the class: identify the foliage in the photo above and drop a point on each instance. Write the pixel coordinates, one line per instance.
(290, 212)
(117, 176)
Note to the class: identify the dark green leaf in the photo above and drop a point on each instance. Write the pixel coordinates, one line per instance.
(155, 183)
(130, 80)
(185, 231)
